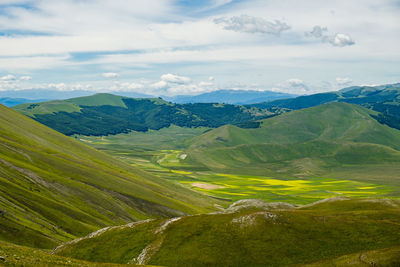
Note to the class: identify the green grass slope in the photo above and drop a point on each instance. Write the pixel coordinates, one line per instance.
(251, 235)
(53, 188)
(384, 99)
(301, 142)
(98, 100)
(14, 255)
(388, 257)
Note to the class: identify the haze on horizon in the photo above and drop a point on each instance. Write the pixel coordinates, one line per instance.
(173, 47)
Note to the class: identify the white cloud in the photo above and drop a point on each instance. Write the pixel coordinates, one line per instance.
(249, 24)
(205, 84)
(57, 86)
(126, 87)
(25, 78)
(338, 39)
(8, 77)
(110, 75)
(294, 85)
(159, 85)
(171, 78)
(148, 38)
(344, 81)
(211, 78)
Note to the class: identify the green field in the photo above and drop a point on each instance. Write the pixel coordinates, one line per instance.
(162, 153)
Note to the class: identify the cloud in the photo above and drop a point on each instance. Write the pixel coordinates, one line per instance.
(110, 75)
(171, 78)
(171, 84)
(344, 81)
(338, 39)
(205, 84)
(8, 77)
(211, 78)
(294, 85)
(57, 86)
(126, 87)
(25, 78)
(250, 24)
(159, 85)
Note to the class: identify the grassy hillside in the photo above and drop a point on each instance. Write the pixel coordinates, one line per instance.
(384, 99)
(104, 114)
(53, 188)
(14, 255)
(251, 234)
(302, 143)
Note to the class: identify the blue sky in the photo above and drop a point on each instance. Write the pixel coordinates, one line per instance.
(167, 47)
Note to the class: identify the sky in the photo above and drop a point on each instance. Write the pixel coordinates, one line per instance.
(175, 47)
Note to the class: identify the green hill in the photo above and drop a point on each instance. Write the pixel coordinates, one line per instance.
(53, 188)
(104, 114)
(384, 99)
(306, 142)
(253, 234)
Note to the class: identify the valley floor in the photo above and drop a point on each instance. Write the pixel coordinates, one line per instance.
(162, 153)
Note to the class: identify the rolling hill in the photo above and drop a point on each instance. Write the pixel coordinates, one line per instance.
(104, 114)
(384, 99)
(53, 188)
(301, 143)
(251, 233)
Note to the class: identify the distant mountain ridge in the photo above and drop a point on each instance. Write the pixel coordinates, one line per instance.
(104, 114)
(10, 102)
(218, 96)
(237, 97)
(383, 98)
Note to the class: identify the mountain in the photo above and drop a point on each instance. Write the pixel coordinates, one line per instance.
(252, 233)
(237, 97)
(384, 99)
(49, 94)
(53, 188)
(104, 114)
(305, 142)
(10, 102)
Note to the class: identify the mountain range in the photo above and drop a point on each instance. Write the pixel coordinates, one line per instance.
(104, 114)
(237, 97)
(384, 98)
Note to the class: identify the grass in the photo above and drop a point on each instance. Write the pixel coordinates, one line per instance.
(161, 153)
(381, 257)
(49, 107)
(98, 99)
(54, 188)
(236, 187)
(254, 237)
(15, 255)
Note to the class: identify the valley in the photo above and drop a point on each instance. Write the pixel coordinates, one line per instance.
(183, 133)
(192, 186)
(301, 166)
